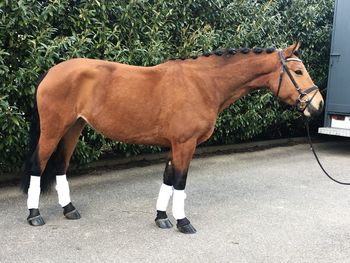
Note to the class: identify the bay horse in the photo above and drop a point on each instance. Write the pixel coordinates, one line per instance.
(174, 104)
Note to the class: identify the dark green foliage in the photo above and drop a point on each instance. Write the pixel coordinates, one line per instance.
(35, 35)
(13, 135)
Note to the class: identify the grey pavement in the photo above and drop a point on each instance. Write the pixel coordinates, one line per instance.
(271, 205)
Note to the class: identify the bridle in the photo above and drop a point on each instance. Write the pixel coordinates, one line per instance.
(301, 103)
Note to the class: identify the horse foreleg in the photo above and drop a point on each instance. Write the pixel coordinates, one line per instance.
(165, 192)
(181, 157)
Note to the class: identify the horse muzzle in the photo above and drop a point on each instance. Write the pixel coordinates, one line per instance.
(313, 108)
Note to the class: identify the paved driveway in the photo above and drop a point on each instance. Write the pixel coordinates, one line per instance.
(272, 205)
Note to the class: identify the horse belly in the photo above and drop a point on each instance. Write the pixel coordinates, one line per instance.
(122, 128)
(130, 119)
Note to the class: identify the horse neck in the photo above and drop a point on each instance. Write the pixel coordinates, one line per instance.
(225, 79)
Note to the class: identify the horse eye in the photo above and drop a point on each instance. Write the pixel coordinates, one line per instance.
(298, 72)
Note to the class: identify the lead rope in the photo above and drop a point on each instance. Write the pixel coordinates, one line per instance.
(316, 157)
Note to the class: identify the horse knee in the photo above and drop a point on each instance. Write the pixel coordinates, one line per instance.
(180, 178)
(174, 177)
(168, 176)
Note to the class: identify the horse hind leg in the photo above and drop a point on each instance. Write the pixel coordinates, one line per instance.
(64, 153)
(40, 172)
(50, 162)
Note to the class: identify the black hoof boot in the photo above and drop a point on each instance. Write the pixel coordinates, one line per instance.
(34, 218)
(184, 226)
(162, 220)
(70, 212)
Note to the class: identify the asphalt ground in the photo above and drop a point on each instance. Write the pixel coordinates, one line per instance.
(271, 205)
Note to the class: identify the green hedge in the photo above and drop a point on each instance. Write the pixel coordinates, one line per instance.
(35, 35)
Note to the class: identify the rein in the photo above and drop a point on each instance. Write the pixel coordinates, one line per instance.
(316, 157)
(301, 104)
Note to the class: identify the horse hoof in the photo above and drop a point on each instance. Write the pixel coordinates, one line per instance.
(187, 229)
(73, 215)
(36, 221)
(70, 212)
(164, 223)
(184, 226)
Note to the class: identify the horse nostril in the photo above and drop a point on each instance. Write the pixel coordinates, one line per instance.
(320, 106)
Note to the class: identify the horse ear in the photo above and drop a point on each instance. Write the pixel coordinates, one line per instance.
(289, 51)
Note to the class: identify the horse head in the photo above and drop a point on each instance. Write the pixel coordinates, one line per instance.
(293, 85)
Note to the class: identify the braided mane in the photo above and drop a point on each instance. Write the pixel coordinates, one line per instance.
(229, 51)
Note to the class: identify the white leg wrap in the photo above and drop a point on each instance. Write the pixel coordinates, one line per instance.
(62, 188)
(33, 192)
(179, 204)
(165, 193)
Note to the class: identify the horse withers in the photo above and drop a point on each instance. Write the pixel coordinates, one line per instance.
(174, 104)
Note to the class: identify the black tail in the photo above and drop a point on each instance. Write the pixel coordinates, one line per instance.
(31, 166)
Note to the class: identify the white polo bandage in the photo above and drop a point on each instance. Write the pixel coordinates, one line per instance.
(33, 192)
(165, 193)
(179, 197)
(62, 188)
